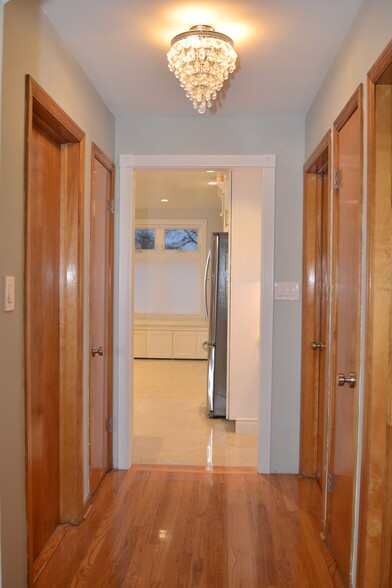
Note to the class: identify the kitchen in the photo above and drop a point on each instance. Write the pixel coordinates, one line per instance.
(172, 297)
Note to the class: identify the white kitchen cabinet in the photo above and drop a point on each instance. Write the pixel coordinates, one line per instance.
(184, 344)
(140, 343)
(168, 341)
(160, 344)
(201, 352)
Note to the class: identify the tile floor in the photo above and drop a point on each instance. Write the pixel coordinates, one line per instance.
(170, 422)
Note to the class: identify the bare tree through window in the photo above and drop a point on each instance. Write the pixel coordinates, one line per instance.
(181, 239)
(145, 239)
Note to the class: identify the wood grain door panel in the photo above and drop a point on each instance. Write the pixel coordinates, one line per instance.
(375, 523)
(322, 285)
(347, 311)
(53, 330)
(44, 329)
(101, 280)
(316, 313)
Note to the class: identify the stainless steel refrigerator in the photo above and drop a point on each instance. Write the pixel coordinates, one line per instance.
(216, 272)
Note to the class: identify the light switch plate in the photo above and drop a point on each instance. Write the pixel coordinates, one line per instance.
(9, 293)
(286, 290)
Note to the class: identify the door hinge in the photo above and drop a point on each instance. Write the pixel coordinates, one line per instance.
(110, 425)
(336, 179)
(111, 206)
(329, 482)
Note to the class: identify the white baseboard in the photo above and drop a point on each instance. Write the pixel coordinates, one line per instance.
(247, 426)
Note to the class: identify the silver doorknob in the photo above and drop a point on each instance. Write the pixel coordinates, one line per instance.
(351, 380)
(96, 351)
(315, 345)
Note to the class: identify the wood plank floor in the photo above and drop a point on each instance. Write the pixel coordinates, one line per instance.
(178, 526)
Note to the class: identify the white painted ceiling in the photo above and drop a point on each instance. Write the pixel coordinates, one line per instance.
(183, 188)
(284, 47)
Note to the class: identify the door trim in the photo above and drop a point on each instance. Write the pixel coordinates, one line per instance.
(375, 524)
(99, 155)
(42, 111)
(124, 304)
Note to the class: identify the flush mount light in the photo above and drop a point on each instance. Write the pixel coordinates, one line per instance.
(202, 60)
(210, 171)
(212, 183)
(164, 200)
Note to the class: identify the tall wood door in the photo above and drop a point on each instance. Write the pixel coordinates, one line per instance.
(43, 322)
(101, 316)
(319, 346)
(347, 309)
(315, 315)
(53, 329)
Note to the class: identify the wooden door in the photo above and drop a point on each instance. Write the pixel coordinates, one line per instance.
(44, 341)
(315, 315)
(319, 346)
(101, 316)
(375, 522)
(347, 238)
(53, 320)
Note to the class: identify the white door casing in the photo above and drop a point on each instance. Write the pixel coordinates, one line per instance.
(123, 305)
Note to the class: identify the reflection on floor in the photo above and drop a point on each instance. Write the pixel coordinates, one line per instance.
(170, 423)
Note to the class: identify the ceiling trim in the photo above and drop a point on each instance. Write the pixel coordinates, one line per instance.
(197, 161)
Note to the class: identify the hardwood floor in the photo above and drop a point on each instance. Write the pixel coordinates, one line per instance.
(177, 526)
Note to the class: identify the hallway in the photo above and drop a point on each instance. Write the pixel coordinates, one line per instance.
(173, 526)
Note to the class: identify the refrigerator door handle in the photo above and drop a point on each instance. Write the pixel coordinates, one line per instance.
(205, 285)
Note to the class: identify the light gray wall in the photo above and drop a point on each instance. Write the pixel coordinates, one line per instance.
(202, 134)
(368, 35)
(31, 46)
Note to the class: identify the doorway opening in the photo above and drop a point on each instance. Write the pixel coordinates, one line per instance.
(125, 230)
(182, 368)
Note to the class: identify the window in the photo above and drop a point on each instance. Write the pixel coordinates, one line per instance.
(169, 267)
(145, 239)
(185, 239)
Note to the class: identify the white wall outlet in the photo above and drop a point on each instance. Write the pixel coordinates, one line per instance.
(9, 293)
(286, 290)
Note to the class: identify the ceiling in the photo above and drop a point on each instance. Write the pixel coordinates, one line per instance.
(284, 47)
(183, 188)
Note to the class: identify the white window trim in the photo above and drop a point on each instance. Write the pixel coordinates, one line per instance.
(123, 315)
(199, 224)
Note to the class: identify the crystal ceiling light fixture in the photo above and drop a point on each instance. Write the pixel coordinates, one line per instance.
(202, 60)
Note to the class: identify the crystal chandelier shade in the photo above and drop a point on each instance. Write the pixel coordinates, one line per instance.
(202, 60)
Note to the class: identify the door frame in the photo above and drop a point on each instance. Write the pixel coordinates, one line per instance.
(99, 155)
(123, 319)
(375, 524)
(42, 111)
(316, 165)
